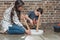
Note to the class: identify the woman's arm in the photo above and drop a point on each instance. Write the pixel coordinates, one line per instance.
(26, 24)
(24, 18)
(16, 20)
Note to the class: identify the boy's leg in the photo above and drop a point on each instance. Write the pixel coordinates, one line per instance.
(28, 24)
(32, 26)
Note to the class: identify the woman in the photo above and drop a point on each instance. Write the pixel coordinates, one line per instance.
(11, 20)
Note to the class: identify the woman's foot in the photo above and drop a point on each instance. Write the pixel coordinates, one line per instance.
(2, 32)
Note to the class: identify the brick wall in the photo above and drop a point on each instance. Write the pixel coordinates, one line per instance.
(51, 9)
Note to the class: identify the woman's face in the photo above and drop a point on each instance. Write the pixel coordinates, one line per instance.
(20, 8)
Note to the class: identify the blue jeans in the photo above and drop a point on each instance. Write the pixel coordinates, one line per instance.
(15, 29)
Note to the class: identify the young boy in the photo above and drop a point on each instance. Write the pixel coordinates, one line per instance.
(33, 17)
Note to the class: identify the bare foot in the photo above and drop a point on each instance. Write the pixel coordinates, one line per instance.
(2, 32)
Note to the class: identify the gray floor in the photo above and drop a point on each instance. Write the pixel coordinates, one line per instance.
(48, 35)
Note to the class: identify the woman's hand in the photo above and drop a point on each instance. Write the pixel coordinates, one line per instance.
(28, 32)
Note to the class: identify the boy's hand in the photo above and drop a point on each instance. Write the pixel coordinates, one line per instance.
(37, 30)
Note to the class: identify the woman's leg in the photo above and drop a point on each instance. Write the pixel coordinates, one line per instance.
(20, 31)
(16, 32)
(1, 32)
(15, 29)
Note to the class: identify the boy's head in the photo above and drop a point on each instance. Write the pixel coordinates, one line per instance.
(38, 11)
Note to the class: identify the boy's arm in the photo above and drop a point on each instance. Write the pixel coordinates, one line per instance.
(38, 23)
(27, 18)
(31, 21)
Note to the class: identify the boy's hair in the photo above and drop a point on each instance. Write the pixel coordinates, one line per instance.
(40, 10)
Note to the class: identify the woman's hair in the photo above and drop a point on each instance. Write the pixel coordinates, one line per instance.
(18, 3)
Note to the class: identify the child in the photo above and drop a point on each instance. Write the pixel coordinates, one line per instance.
(33, 17)
(11, 21)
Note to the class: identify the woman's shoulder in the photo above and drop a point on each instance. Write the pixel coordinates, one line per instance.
(8, 9)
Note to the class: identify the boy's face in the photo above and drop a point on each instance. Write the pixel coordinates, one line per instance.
(37, 13)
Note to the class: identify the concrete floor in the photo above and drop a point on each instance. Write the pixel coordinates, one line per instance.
(48, 35)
